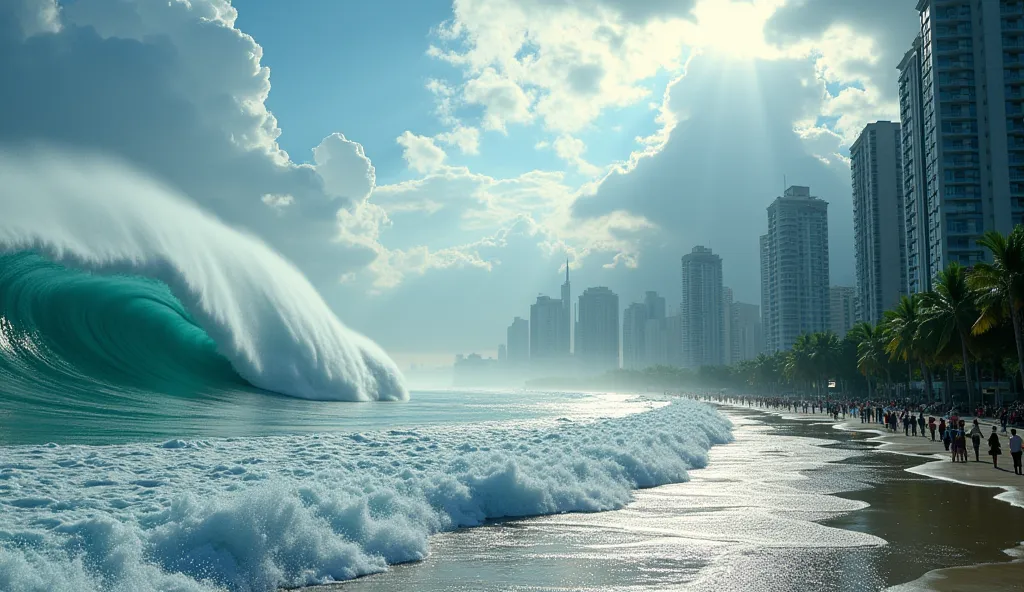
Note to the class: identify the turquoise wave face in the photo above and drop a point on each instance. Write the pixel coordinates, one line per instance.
(74, 342)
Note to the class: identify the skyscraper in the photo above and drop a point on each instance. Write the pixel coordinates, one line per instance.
(842, 309)
(634, 324)
(655, 305)
(727, 328)
(597, 331)
(748, 339)
(663, 341)
(546, 329)
(794, 268)
(517, 337)
(701, 308)
(635, 320)
(963, 135)
(565, 338)
(879, 220)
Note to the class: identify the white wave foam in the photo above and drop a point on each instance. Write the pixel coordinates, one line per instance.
(265, 316)
(291, 511)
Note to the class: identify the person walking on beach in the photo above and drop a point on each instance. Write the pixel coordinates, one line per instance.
(942, 430)
(976, 439)
(920, 423)
(913, 424)
(1015, 451)
(931, 426)
(993, 447)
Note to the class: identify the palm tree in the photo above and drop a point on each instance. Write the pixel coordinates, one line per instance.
(950, 312)
(825, 352)
(799, 364)
(1000, 286)
(902, 328)
(870, 352)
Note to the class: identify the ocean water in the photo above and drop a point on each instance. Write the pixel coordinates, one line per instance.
(259, 513)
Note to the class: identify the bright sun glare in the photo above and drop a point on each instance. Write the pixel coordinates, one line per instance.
(734, 28)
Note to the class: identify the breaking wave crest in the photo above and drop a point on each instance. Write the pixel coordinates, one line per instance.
(267, 513)
(108, 280)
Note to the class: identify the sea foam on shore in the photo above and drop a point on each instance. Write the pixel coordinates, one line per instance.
(261, 513)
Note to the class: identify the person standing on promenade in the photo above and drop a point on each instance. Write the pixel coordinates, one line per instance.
(994, 448)
(976, 439)
(1015, 451)
(920, 422)
(960, 442)
(942, 430)
(931, 427)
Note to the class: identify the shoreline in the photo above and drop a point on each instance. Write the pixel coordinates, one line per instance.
(981, 577)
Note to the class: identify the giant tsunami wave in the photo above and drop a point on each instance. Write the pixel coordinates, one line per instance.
(109, 281)
(258, 514)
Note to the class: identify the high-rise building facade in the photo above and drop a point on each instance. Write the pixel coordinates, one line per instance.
(546, 329)
(663, 341)
(517, 339)
(634, 325)
(565, 337)
(794, 268)
(727, 327)
(597, 330)
(842, 309)
(701, 309)
(635, 355)
(878, 219)
(655, 305)
(963, 123)
(748, 340)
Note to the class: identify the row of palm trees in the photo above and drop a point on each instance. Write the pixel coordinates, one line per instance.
(970, 317)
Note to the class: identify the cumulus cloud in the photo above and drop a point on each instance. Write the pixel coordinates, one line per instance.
(466, 139)
(178, 90)
(502, 99)
(562, 61)
(420, 152)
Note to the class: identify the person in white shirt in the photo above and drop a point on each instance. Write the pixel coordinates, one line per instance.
(1015, 444)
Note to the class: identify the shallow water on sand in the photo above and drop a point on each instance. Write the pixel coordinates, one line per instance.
(789, 506)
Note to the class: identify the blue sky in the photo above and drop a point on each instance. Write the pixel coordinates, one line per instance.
(444, 158)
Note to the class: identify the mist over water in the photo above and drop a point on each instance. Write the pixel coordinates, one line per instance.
(110, 280)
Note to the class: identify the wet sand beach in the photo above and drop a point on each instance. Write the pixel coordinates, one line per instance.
(999, 484)
(791, 505)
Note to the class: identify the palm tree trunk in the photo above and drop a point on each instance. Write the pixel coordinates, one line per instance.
(927, 374)
(910, 374)
(947, 396)
(967, 371)
(1015, 314)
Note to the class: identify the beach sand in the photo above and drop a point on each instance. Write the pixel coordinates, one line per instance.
(983, 577)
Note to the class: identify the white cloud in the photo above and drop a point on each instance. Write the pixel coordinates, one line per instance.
(277, 201)
(466, 139)
(571, 150)
(421, 153)
(502, 99)
(344, 168)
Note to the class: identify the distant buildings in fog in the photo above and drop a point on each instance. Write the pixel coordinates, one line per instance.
(700, 309)
(597, 330)
(842, 309)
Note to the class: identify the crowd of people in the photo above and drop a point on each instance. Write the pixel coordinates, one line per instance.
(925, 421)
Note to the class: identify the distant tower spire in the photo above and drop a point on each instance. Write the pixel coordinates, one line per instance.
(567, 270)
